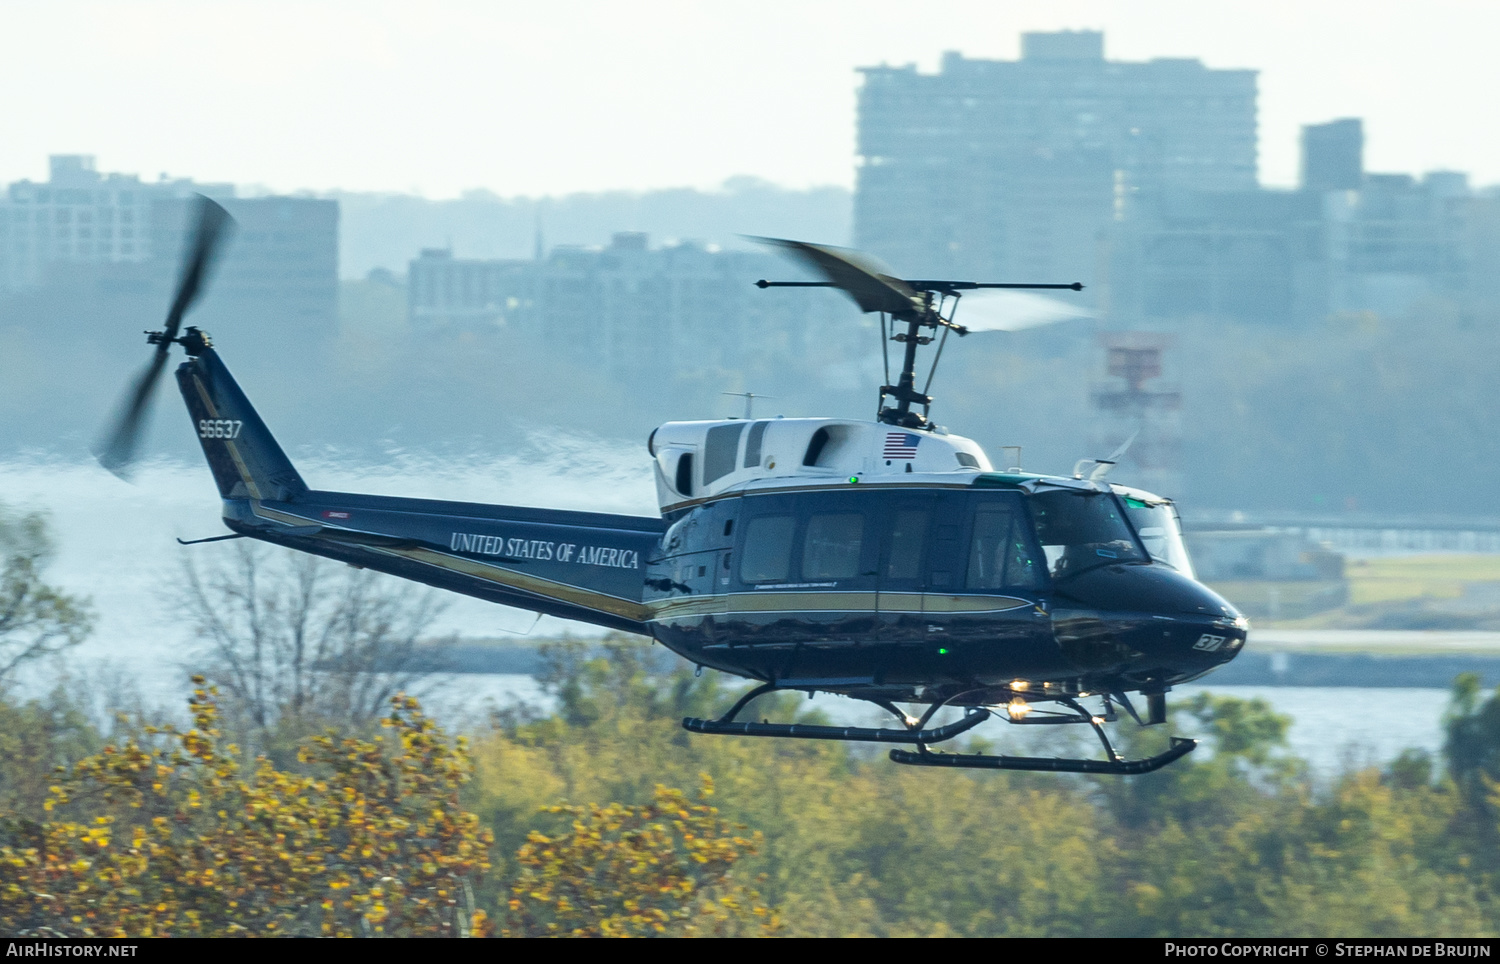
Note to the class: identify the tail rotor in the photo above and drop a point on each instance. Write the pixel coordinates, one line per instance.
(116, 448)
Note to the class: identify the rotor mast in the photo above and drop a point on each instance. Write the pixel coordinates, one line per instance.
(918, 304)
(904, 392)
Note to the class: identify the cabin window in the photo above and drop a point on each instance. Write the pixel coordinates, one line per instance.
(719, 451)
(832, 545)
(908, 532)
(768, 549)
(685, 473)
(753, 444)
(966, 460)
(998, 554)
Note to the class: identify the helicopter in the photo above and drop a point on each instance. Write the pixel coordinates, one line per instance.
(885, 560)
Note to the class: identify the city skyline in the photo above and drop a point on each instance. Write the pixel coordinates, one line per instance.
(330, 95)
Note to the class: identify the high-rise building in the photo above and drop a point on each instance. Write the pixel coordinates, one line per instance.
(1333, 155)
(1010, 169)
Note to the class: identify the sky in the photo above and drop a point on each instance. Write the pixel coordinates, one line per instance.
(445, 96)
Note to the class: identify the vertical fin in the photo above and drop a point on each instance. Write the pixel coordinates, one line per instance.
(242, 454)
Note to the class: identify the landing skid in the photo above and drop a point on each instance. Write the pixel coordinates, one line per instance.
(863, 734)
(915, 732)
(981, 761)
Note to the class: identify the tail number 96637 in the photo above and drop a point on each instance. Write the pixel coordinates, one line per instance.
(219, 427)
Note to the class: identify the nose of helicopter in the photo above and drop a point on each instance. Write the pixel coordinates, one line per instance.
(1161, 613)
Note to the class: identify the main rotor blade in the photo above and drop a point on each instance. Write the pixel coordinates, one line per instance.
(198, 258)
(116, 448)
(861, 277)
(1001, 310)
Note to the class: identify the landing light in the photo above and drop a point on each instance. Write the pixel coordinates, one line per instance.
(1018, 708)
(1096, 720)
(1019, 686)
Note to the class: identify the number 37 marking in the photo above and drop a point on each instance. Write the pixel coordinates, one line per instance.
(219, 427)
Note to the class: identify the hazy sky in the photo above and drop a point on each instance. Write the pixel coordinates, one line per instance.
(569, 95)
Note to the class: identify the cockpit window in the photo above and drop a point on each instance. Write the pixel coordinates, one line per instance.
(1082, 530)
(1156, 524)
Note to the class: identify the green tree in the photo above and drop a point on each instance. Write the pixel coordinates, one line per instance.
(36, 619)
(1472, 741)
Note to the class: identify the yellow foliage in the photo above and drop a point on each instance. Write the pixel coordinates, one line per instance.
(659, 869)
(176, 838)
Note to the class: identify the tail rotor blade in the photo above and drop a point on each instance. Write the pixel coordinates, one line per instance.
(116, 448)
(199, 258)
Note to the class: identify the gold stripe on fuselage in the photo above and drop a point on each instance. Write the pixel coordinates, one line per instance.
(547, 588)
(748, 603)
(488, 572)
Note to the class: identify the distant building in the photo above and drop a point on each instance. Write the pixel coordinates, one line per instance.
(448, 292)
(1254, 256)
(1346, 241)
(86, 244)
(81, 217)
(280, 269)
(630, 308)
(1333, 155)
(1011, 169)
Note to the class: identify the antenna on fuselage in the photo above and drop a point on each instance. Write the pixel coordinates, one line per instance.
(749, 398)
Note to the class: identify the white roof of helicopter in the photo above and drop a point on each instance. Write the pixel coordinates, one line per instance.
(731, 454)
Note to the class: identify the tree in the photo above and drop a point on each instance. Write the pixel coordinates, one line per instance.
(658, 869)
(291, 637)
(36, 619)
(1472, 744)
(167, 834)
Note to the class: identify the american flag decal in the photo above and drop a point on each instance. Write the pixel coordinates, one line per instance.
(901, 445)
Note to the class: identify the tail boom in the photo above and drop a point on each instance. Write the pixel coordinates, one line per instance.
(578, 565)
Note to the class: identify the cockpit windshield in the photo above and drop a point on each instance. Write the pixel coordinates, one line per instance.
(1082, 530)
(1156, 523)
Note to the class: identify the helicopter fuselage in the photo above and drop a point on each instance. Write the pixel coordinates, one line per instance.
(906, 592)
(813, 554)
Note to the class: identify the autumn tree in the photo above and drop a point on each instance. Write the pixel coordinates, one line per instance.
(169, 835)
(658, 869)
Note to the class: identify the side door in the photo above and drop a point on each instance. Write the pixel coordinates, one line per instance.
(1002, 599)
(985, 565)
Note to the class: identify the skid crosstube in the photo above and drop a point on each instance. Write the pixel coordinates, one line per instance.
(864, 734)
(1180, 748)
